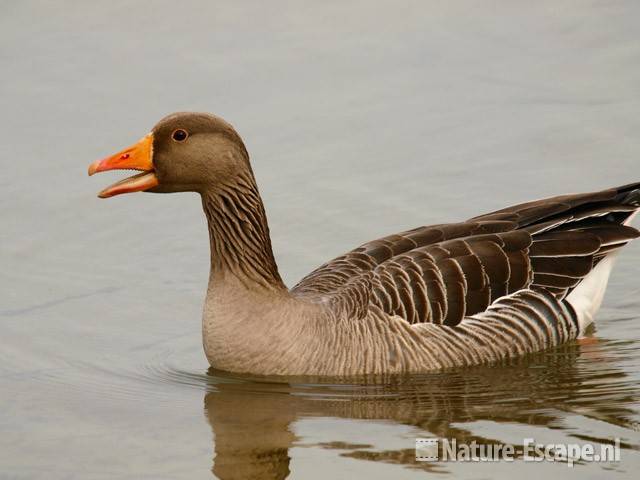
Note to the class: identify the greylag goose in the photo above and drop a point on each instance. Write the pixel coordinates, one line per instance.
(503, 284)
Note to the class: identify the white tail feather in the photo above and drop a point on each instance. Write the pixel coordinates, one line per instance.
(631, 217)
(587, 297)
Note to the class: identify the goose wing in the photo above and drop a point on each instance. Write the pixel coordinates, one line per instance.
(442, 273)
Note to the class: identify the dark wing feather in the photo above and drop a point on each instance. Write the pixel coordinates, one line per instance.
(442, 273)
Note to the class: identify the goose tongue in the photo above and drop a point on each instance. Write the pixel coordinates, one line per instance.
(136, 157)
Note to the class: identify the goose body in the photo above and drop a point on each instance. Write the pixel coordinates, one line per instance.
(508, 283)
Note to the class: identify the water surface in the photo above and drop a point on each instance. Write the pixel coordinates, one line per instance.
(361, 121)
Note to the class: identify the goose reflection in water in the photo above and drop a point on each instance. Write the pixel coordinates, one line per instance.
(252, 419)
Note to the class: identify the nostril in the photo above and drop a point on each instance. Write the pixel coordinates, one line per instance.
(124, 156)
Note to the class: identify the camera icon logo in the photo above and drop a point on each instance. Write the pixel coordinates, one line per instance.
(426, 449)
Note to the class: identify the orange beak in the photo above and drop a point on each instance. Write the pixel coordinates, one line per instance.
(137, 157)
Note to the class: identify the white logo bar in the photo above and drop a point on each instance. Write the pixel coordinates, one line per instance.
(449, 450)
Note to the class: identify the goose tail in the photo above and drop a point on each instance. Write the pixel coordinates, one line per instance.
(586, 298)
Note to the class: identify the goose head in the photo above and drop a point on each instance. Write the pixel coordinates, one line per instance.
(184, 152)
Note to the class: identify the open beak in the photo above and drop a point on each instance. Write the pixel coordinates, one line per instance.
(137, 157)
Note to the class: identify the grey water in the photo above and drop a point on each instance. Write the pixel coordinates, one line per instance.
(362, 119)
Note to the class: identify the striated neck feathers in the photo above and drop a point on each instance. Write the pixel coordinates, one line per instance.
(239, 234)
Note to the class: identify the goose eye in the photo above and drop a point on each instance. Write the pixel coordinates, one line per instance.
(179, 135)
